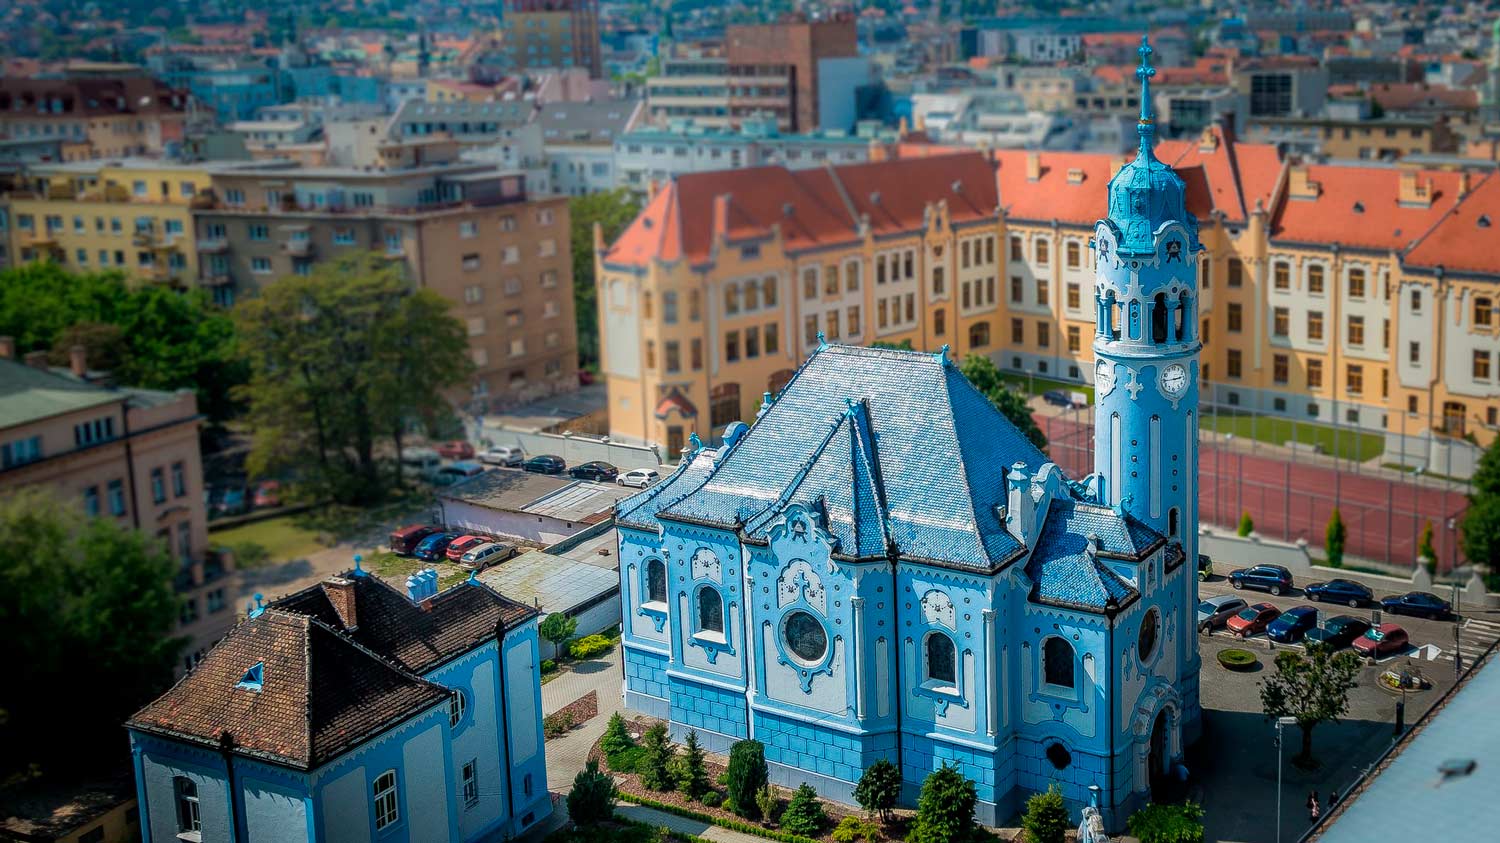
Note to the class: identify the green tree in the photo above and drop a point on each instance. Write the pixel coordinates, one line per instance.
(766, 801)
(1312, 687)
(746, 774)
(1046, 817)
(91, 607)
(613, 210)
(983, 374)
(656, 758)
(945, 808)
(1481, 522)
(1425, 551)
(341, 361)
(804, 813)
(879, 788)
(1167, 823)
(904, 345)
(592, 799)
(1247, 525)
(556, 629)
(616, 739)
(1334, 538)
(692, 778)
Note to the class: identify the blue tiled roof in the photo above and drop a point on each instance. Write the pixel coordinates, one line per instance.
(640, 510)
(1062, 571)
(921, 459)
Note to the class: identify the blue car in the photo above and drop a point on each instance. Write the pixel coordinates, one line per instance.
(1339, 591)
(434, 547)
(1292, 624)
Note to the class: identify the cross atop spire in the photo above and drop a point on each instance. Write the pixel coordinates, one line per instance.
(1147, 125)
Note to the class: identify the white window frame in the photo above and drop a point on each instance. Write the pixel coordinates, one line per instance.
(387, 799)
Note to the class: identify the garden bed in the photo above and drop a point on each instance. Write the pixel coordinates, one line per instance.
(1240, 661)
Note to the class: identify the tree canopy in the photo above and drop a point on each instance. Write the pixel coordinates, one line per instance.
(613, 210)
(89, 612)
(342, 362)
(146, 335)
(1312, 687)
(1481, 523)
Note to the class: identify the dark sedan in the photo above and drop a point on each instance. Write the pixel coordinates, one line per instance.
(545, 464)
(1272, 578)
(1339, 591)
(1338, 632)
(1292, 624)
(598, 471)
(1419, 604)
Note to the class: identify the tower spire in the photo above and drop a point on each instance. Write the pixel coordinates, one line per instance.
(1146, 128)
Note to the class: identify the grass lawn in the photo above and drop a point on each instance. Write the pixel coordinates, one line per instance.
(389, 566)
(1040, 385)
(268, 542)
(1351, 444)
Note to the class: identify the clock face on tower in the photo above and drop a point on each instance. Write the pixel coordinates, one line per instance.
(1174, 380)
(1104, 377)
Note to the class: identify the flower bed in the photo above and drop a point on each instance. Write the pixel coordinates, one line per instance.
(575, 713)
(1237, 660)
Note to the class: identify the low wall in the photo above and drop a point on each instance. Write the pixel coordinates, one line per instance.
(575, 449)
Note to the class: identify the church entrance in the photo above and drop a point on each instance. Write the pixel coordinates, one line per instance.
(1157, 760)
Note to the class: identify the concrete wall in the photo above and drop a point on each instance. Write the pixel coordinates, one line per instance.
(580, 449)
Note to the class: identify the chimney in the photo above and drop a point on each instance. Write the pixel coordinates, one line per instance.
(340, 593)
(37, 360)
(78, 360)
(1463, 187)
(1033, 166)
(1299, 185)
(1413, 192)
(1020, 509)
(7, 348)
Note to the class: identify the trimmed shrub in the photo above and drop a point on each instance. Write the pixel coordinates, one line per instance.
(714, 819)
(592, 799)
(713, 799)
(1334, 538)
(548, 666)
(746, 774)
(1237, 660)
(856, 830)
(804, 814)
(945, 808)
(589, 646)
(1046, 817)
(1247, 526)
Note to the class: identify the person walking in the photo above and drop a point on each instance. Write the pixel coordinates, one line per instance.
(1313, 808)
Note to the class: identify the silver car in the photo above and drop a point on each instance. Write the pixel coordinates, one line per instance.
(1216, 611)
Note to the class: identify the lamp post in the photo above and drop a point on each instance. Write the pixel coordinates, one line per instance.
(1280, 722)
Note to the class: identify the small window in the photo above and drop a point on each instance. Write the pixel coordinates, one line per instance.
(1059, 755)
(471, 783)
(942, 660)
(1057, 662)
(656, 581)
(710, 611)
(185, 794)
(457, 705)
(387, 809)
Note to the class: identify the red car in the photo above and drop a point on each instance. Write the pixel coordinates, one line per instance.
(267, 493)
(456, 450)
(463, 544)
(1253, 620)
(1383, 640)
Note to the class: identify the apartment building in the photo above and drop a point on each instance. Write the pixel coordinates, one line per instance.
(126, 454)
(134, 215)
(1354, 138)
(552, 33)
(468, 231)
(94, 117)
(1354, 293)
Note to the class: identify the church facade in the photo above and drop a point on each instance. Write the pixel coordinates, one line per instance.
(882, 566)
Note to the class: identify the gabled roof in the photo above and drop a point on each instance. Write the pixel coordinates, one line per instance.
(320, 694)
(1224, 174)
(1062, 571)
(640, 510)
(415, 637)
(1057, 193)
(921, 451)
(1452, 243)
(1360, 207)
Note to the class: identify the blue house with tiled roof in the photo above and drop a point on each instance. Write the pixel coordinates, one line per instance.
(883, 567)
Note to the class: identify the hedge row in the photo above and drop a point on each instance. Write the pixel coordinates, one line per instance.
(722, 822)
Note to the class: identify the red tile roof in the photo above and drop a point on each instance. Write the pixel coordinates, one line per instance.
(1454, 243)
(1229, 178)
(1053, 195)
(1358, 207)
(1416, 96)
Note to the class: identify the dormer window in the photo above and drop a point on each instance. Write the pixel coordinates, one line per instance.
(253, 679)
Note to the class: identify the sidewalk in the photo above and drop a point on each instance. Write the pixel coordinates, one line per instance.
(651, 816)
(567, 755)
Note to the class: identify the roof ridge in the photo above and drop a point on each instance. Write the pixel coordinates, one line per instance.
(863, 450)
(1445, 216)
(843, 192)
(786, 494)
(963, 467)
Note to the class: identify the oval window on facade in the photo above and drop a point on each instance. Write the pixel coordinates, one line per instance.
(1146, 644)
(805, 637)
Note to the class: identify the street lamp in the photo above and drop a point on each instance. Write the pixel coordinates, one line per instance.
(1280, 722)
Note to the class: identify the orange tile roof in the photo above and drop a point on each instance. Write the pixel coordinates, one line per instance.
(812, 207)
(1454, 243)
(1229, 179)
(1053, 195)
(1358, 207)
(1402, 96)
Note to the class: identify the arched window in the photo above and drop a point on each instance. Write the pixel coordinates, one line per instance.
(1159, 318)
(1057, 662)
(1172, 525)
(656, 581)
(710, 610)
(456, 706)
(185, 795)
(942, 659)
(387, 799)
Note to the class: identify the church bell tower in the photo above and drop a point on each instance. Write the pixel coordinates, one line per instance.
(1146, 349)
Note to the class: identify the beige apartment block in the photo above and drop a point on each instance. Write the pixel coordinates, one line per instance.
(130, 455)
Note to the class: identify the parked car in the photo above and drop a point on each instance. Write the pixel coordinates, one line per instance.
(585, 377)
(1272, 578)
(1382, 640)
(1205, 567)
(405, 540)
(1253, 619)
(423, 461)
(640, 478)
(232, 500)
(545, 464)
(1057, 398)
(456, 449)
(434, 547)
(267, 494)
(601, 472)
(1339, 591)
(507, 455)
(1338, 631)
(1292, 624)
(485, 555)
(1419, 603)
(1215, 611)
(463, 544)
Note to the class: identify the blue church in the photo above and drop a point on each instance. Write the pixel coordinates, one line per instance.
(353, 711)
(883, 567)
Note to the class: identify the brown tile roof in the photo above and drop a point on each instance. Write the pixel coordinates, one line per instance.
(388, 623)
(1419, 96)
(812, 208)
(25, 98)
(321, 693)
(1359, 207)
(1455, 243)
